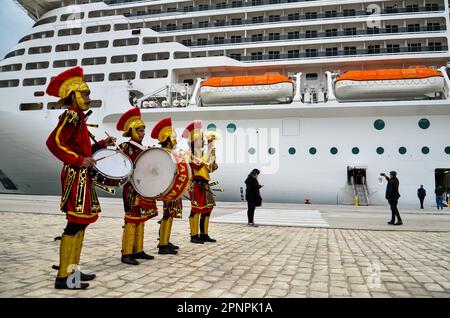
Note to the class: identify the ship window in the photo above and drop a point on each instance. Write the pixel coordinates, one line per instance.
(11, 68)
(311, 53)
(432, 7)
(393, 48)
(69, 32)
(31, 106)
(414, 47)
(9, 83)
(355, 150)
(331, 51)
(212, 127)
(380, 150)
(391, 28)
(252, 151)
(312, 150)
(98, 28)
(40, 50)
(424, 123)
(39, 35)
(15, 53)
(34, 81)
(122, 76)
(124, 59)
(271, 151)
(67, 47)
(402, 150)
(331, 14)
(96, 45)
(89, 78)
(425, 150)
(447, 150)
(55, 105)
(231, 128)
(292, 151)
(72, 16)
(65, 63)
(378, 124)
(45, 21)
(333, 150)
(154, 74)
(312, 76)
(148, 40)
(101, 13)
(155, 56)
(94, 61)
(37, 65)
(126, 42)
(39, 93)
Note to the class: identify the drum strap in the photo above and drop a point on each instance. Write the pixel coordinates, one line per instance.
(105, 189)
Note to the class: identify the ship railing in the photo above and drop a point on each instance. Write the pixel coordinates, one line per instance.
(318, 35)
(340, 53)
(308, 16)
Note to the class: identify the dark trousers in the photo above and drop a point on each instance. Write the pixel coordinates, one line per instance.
(394, 210)
(250, 212)
(421, 202)
(74, 228)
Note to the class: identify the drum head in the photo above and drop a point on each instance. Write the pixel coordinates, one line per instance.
(115, 166)
(154, 172)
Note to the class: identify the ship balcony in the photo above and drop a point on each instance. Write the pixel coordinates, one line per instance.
(141, 13)
(350, 53)
(316, 35)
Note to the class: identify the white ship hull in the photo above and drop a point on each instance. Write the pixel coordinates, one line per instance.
(155, 54)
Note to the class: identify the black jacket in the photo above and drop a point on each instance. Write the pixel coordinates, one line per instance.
(252, 194)
(439, 191)
(392, 189)
(421, 193)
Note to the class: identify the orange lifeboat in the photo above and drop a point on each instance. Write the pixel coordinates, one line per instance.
(412, 83)
(271, 88)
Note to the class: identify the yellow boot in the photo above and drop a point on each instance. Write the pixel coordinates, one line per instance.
(194, 223)
(129, 236)
(138, 249)
(79, 244)
(164, 238)
(204, 236)
(174, 247)
(68, 253)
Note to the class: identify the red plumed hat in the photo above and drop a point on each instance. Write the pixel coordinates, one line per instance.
(193, 130)
(67, 82)
(162, 130)
(131, 119)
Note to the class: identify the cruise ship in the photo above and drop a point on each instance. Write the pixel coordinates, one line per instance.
(321, 95)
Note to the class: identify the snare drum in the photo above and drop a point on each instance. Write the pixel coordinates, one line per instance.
(160, 174)
(114, 170)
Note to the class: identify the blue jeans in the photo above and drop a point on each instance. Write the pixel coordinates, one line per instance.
(440, 201)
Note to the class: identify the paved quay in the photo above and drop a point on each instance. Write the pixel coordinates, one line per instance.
(314, 251)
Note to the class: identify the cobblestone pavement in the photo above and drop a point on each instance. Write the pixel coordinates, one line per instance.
(266, 261)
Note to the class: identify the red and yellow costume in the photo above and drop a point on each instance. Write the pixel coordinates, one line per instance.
(70, 143)
(138, 209)
(166, 136)
(200, 194)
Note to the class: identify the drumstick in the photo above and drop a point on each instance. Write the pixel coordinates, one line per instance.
(107, 156)
(117, 148)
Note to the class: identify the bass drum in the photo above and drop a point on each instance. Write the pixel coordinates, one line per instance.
(161, 175)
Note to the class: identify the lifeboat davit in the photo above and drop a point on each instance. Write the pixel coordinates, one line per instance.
(411, 83)
(271, 88)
